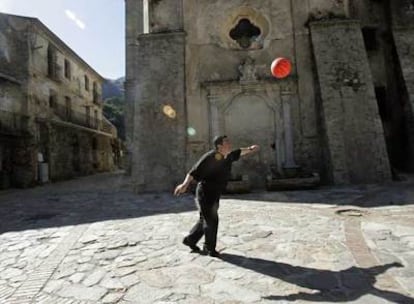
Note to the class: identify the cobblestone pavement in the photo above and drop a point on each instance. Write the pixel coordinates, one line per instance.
(92, 240)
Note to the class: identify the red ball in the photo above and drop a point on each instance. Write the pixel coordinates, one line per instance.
(281, 67)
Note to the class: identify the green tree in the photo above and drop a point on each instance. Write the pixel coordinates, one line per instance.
(114, 111)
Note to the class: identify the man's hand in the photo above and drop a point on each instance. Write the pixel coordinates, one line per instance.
(249, 150)
(180, 189)
(254, 148)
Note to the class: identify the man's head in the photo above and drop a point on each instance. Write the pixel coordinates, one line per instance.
(222, 144)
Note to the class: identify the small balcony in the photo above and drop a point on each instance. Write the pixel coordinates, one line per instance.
(81, 119)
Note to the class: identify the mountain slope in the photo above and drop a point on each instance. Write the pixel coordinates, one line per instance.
(113, 88)
(114, 103)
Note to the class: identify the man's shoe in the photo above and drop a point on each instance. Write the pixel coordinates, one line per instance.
(214, 253)
(194, 247)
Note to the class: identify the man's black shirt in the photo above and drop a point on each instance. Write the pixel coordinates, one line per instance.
(213, 171)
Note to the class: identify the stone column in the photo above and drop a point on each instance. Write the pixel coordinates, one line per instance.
(214, 116)
(134, 26)
(353, 135)
(288, 132)
(134, 12)
(159, 136)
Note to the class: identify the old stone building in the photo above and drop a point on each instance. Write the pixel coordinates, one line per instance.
(51, 122)
(196, 69)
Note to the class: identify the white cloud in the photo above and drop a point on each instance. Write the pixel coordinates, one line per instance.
(72, 16)
(80, 24)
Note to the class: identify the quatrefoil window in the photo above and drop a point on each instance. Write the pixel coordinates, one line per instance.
(245, 33)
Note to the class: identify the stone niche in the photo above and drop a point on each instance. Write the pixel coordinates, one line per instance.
(252, 111)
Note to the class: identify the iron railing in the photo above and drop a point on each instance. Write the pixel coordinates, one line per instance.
(12, 123)
(82, 119)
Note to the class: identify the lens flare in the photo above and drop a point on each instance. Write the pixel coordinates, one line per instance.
(191, 131)
(169, 111)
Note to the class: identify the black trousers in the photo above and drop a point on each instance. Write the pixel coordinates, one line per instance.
(207, 224)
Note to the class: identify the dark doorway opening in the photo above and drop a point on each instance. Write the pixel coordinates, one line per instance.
(393, 119)
(370, 38)
(390, 90)
(95, 153)
(76, 155)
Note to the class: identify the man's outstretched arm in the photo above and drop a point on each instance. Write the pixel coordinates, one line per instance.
(182, 188)
(196, 173)
(249, 150)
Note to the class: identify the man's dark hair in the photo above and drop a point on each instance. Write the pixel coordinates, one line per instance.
(218, 140)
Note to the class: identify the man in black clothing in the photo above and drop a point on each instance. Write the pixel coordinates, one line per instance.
(212, 172)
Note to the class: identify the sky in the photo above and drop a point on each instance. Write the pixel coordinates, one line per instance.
(94, 29)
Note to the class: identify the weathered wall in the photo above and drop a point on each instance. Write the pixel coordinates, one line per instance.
(73, 87)
(18, 167)
(17, 161)
(69, 150)
(354, 134)
(254, 111)
(30, 123)
(224, 80)
(165, 15)
(212, 56)
(159, 119)
(134, 26)
(14, 57)
(14, 50)
(74, 153)
(306, 137)
(12, 98)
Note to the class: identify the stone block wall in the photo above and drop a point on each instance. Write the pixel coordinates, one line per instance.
(353, 133)
(334, 120)
(165, 15)
(32, 122)
(73, 152)
(72, 86)
(14, 51)
(12, 99)
(213, 57)
(159, 134)
(18, 163)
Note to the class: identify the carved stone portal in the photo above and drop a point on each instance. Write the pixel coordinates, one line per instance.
(254, 113)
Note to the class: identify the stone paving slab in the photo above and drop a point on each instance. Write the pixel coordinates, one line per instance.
(104, 244)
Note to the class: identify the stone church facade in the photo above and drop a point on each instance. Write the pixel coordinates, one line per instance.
(196, 69)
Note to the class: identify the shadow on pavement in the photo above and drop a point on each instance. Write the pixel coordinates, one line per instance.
(391, 194)
(108, 196)
(333, 286)
(84, 200)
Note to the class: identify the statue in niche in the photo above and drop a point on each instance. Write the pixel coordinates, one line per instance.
(247, 70)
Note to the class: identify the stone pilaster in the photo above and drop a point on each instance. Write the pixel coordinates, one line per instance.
(354, 134)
